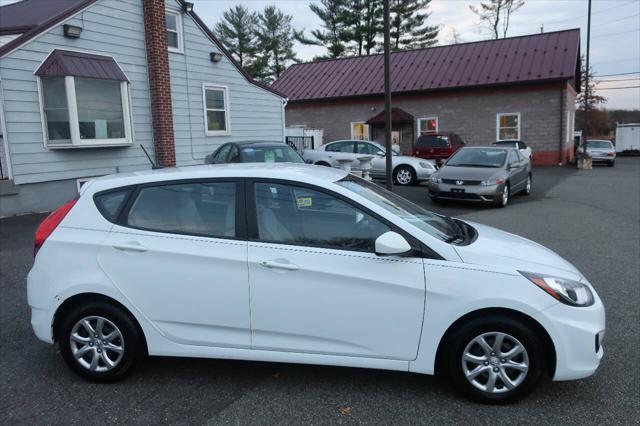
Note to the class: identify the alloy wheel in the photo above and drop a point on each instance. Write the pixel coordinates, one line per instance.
(404, 177)
(495, 362)
(96, 344)
(528, 188)
(505, 195)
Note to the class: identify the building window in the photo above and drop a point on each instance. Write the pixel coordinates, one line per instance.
(216, 110)
(427, 125)
(82, 112)
(174, 31)
(508, 126)
(360, 131)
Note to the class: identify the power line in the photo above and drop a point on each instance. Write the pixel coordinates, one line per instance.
(595, 11)
(616, 88)
(615, 75)
(617, 33)
(618, 20)
(618, 79)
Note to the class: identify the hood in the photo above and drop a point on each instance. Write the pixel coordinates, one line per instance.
(468, 173)
(499, 248)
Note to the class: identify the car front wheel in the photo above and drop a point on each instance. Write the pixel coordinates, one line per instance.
(495, 360)
(404, 175)
(99, 342)
(502, 197)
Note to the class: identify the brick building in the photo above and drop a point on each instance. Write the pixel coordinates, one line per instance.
(514, 88)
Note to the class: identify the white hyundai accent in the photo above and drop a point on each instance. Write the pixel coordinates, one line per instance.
(303, 264)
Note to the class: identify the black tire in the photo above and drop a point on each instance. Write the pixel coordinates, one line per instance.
(322, 163)
(405, 176)
(527, 188)
(462, 336)
(435, 200)
(131, 341)
(611, 164)
(499, 202)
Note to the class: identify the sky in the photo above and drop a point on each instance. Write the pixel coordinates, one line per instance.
(615, 32)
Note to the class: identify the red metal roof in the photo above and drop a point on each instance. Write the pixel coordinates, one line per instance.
(398, 116)
(69, 63)
(532, 58)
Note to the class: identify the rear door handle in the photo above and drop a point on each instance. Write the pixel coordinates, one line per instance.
(131, 246)
(279, 265)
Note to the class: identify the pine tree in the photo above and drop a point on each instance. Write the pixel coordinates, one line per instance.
(335, 17)
(364, 24)
(237, 32)
(408, 25)
(275, 40)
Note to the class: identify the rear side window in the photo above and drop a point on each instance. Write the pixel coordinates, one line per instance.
(110, 203)
(200, 208)
(341, 147)
(432, 142)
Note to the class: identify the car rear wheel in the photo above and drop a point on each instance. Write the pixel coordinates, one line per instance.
(404, 175)
(527, 188)
(495, 360)
(99, 342)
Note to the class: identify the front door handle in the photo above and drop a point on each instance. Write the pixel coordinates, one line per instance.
(279, 265)
(130, 246)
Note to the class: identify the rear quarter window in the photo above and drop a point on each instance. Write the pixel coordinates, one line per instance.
(110, 203)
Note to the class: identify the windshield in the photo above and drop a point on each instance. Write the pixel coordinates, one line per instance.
(598, 144)
(478, 157)
(439, 226)
(271, 154)
(507, 143)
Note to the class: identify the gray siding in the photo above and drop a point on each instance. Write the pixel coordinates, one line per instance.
(255, 113)
(110, 27)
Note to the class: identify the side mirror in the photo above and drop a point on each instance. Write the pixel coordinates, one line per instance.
(380, 153)
(391, 243)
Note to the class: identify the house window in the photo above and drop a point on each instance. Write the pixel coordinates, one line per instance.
(216, 110)
(508, 126)
(174, 31)
(360, 131)
(85, 111)
(427, 125)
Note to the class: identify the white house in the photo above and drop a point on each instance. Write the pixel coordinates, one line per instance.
(85, 83)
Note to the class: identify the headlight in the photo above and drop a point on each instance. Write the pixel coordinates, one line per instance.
(425, 165)
(491, 182)
(571, 292)
(435, 179)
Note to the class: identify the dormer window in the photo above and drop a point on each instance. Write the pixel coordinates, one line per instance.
(174, 31)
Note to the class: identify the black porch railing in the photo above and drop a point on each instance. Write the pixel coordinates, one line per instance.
(300, 143)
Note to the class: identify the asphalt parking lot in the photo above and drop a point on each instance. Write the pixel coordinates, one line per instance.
(592, 218)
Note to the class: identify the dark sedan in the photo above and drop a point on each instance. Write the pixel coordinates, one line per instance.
(484, 174)
(254, 152)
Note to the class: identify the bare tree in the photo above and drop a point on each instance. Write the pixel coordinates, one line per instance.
(454, 37)
(496, 14)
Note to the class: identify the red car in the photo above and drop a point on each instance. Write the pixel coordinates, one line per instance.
(437, 146)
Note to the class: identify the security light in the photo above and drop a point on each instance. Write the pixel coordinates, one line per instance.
(187, 7)
(72, 31)
(216, 57)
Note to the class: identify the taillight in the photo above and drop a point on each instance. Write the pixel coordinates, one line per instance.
(610, 154)
(50, 223)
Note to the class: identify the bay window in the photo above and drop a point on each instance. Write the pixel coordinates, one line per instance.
(508, 126)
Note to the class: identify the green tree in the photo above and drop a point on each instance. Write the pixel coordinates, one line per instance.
(408, 27)
(364, 24)
(496, 14)
(335, 33)
(275, 42)
(237, 32)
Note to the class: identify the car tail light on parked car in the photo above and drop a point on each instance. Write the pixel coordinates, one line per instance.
(610, 154)
(50, 223)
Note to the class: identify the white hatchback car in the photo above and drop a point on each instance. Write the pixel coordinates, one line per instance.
(303, 264)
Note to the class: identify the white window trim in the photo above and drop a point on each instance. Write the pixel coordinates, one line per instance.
(500, 114)
(227, 114)
(353, 136)
(433, 117)
(74, 124)
(179, 32)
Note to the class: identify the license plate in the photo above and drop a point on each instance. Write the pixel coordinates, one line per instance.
(459, 190)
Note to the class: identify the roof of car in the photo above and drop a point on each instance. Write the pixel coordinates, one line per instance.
(260, 143)
(306, 173)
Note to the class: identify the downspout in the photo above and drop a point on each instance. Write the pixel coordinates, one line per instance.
(284, 133)
(561, 133)
(5, 138)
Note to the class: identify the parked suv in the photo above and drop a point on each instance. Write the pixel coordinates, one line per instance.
(437, 146)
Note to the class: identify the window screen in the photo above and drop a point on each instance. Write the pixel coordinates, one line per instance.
(206, 209)
(301, 216)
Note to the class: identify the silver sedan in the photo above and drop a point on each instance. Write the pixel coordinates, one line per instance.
(482, 174)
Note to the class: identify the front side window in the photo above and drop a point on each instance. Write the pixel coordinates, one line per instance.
(427, 125)
(369, 149)
(216, 111)
(201, 208)
(360, 131)
(85, 111)
(174, 31)
(288, 214)
(508, 126)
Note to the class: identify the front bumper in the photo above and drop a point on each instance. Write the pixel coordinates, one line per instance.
(577, 335)
(477, 193)
(603, 159)
(423, 174)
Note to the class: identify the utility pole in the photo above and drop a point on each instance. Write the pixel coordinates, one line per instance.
(586, 80)
(387, 98)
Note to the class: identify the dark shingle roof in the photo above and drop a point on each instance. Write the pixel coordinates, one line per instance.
(532, 58)
(77, 64)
